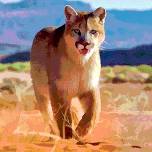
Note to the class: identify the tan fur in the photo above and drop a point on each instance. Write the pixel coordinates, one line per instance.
(60, 73)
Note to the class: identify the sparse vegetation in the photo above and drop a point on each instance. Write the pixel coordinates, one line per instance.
(145, 69)
(18, 66)
(126, 111)
(116, 74)
(14, 91)
(148, 87)
(133, 74)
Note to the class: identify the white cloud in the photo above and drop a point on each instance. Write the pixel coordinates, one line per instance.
(10, 1)
(121, 4)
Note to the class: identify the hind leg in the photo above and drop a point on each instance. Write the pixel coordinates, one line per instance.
(41, 89)
(43, 99)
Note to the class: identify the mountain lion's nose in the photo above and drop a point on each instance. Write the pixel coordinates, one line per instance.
(83, 44)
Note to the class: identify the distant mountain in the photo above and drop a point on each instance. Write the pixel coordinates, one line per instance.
(16, 57)
(20, 21)
(128, 28)
(6, 48)
(134, 56)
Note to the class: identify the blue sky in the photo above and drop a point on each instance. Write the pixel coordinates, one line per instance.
(121, 4)
(111, 4)
(9, 1)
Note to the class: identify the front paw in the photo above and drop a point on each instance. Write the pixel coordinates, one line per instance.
(82, 129)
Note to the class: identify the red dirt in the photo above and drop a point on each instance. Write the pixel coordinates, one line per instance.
(113, 133)
(117, 131)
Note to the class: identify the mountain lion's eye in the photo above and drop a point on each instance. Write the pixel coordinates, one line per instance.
(77, 31)
(93, 32)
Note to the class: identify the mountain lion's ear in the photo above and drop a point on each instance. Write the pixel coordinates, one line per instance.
(101, 13)
(70, 13)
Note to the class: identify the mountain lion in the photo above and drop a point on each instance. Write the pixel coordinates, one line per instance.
(65, 63)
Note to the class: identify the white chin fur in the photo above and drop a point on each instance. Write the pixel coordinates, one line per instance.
(80, 47)
(88, 47)
(87, 56)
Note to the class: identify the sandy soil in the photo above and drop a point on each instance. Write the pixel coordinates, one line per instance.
(9, 74)
(125, 124)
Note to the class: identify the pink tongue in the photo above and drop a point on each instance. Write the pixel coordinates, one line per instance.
(83, 51)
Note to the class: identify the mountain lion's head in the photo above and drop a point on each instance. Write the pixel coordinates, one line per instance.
(84, 30)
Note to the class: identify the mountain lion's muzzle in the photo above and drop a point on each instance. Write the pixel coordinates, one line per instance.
(83, 47)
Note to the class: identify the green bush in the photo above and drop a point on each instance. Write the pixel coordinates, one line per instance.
(145, 68)
(131, 69)
(127, 73)
(3, 67)
(18, 66)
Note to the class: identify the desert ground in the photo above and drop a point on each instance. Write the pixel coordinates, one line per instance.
(125, 124)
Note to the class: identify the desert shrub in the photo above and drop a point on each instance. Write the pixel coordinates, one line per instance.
(145, 68)
(3, 67)
(119, 74)
(120, 78)
(108, 73)
(18, 66)
(107, 69)
(119, 69)
(131, 69)
(14, 91)
(149, 79)
(126, 103)
(148, 87)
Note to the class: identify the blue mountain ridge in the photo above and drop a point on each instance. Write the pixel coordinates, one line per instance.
(20, 21)
(134, 56)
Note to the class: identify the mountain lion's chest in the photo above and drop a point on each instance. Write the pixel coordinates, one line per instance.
(74, 80)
